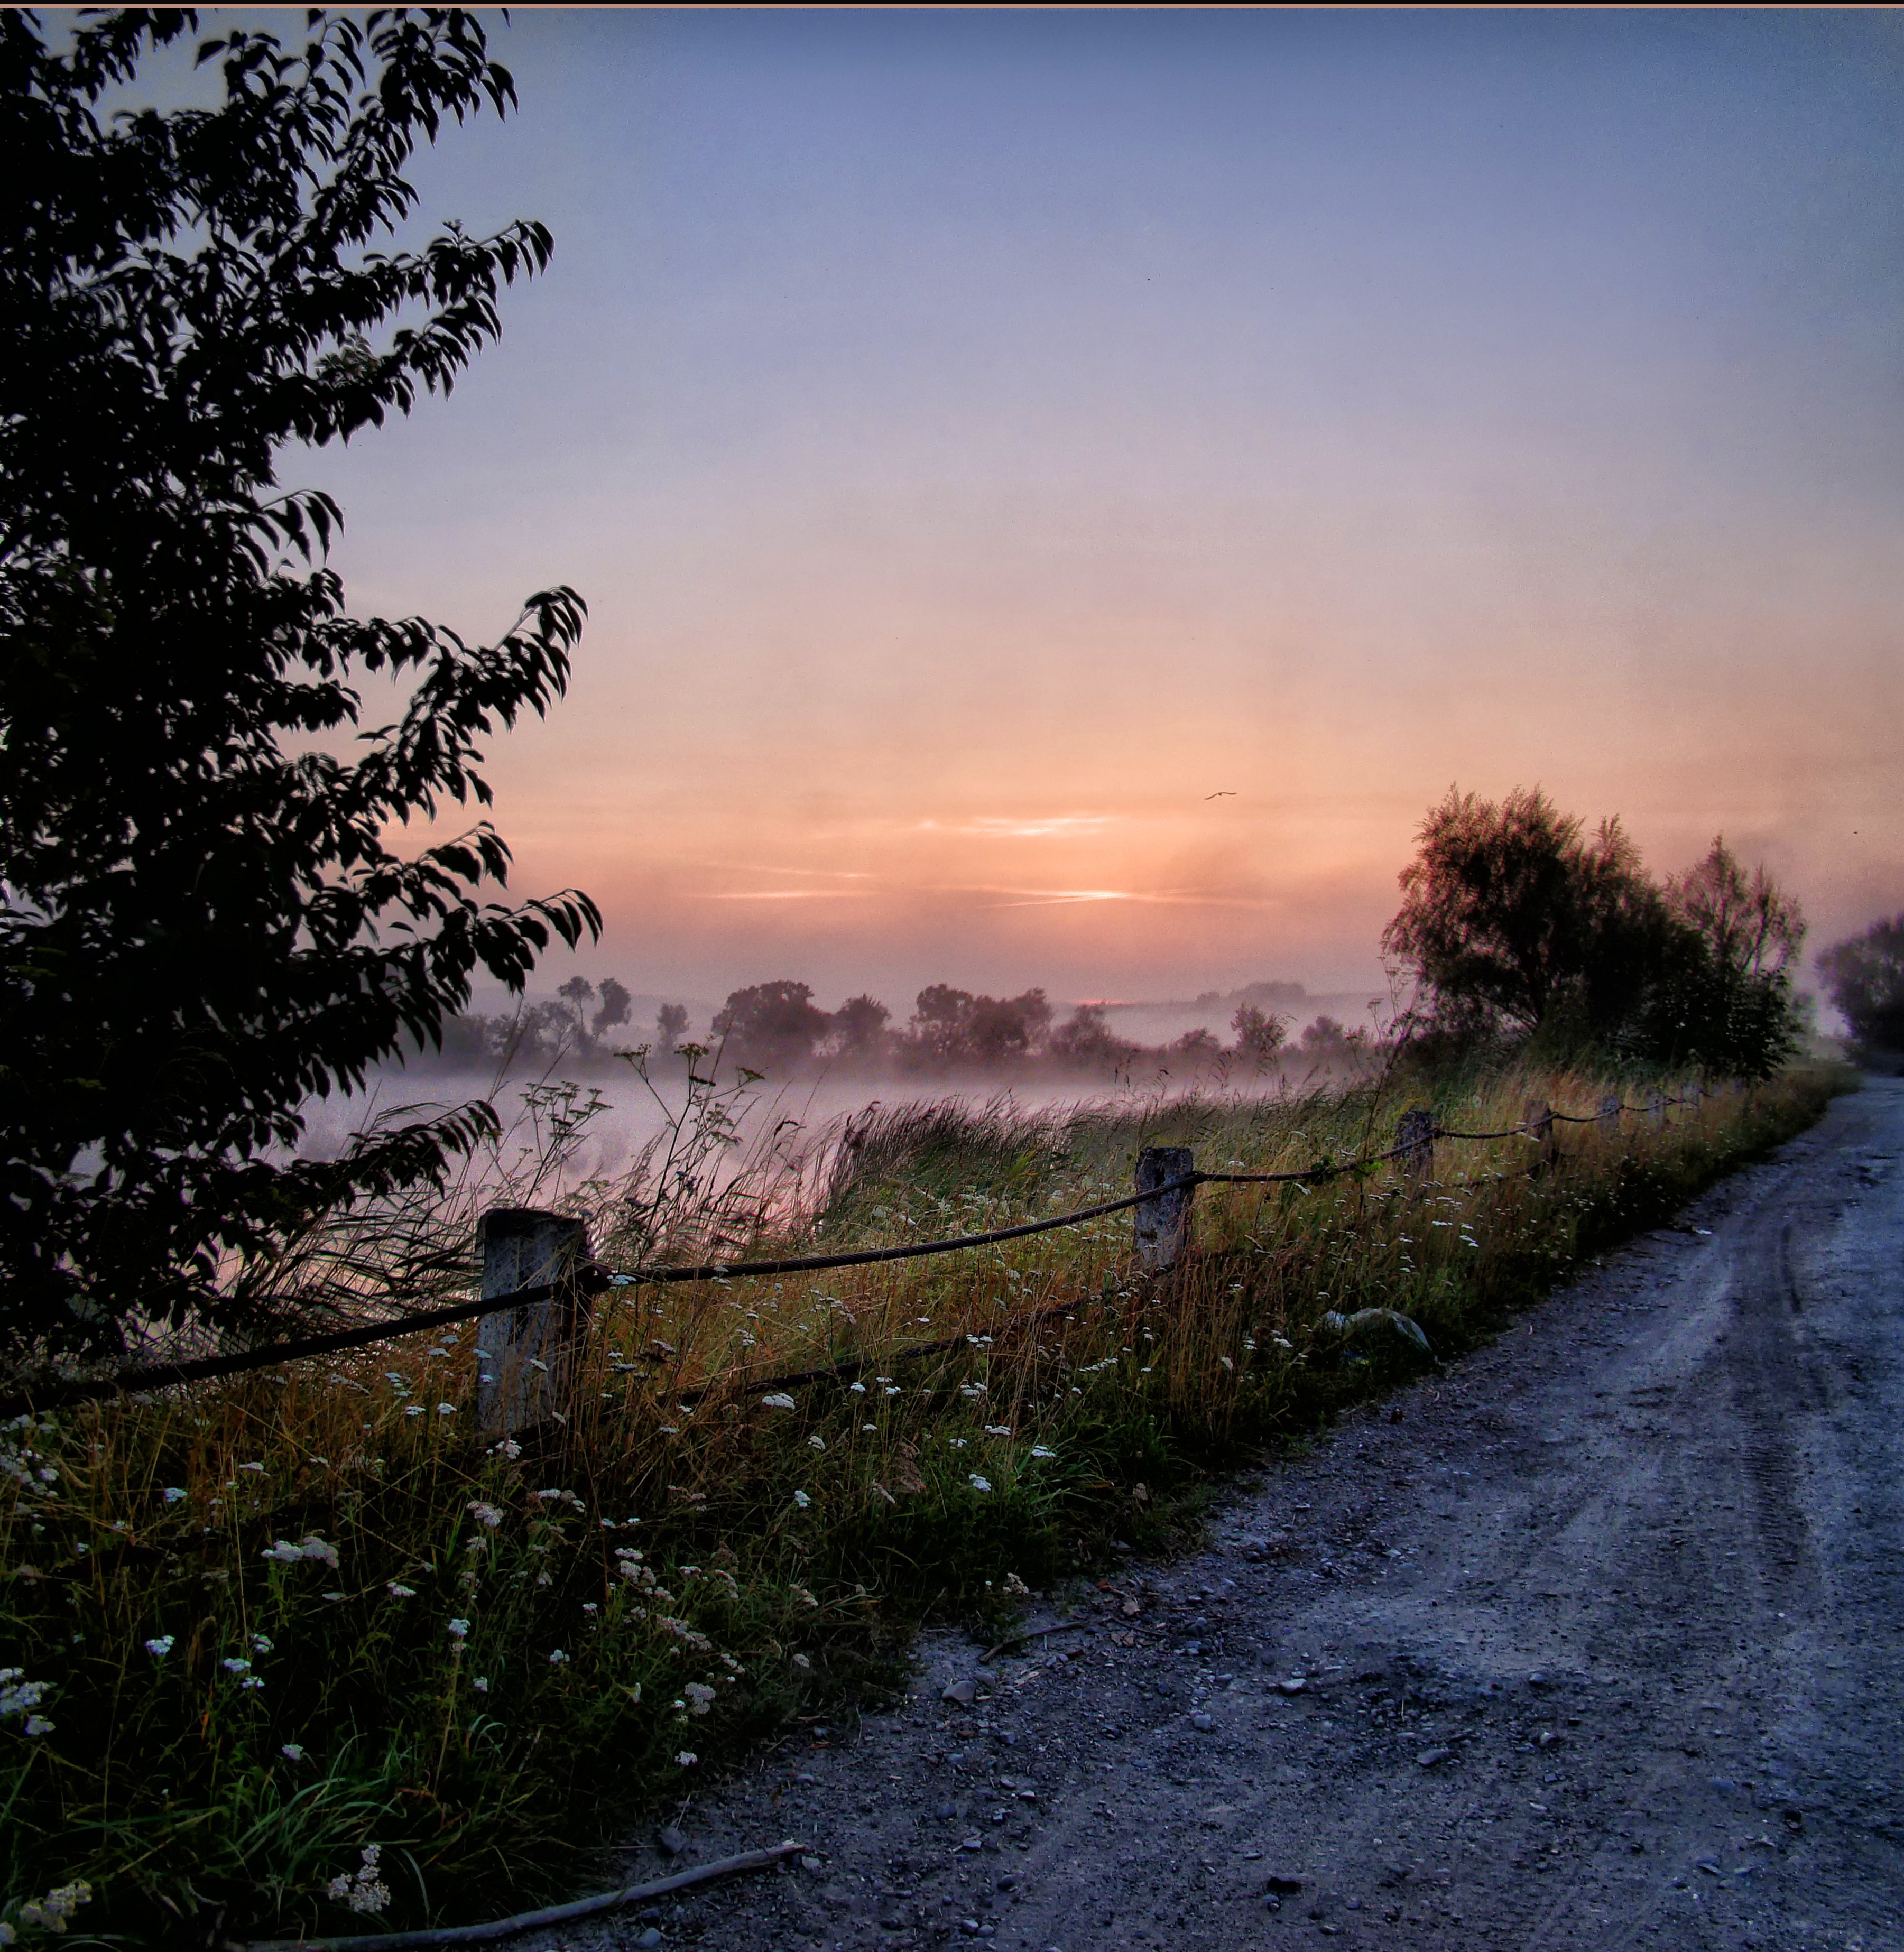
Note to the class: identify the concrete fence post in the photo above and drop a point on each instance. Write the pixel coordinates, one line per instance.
(525, 1356)
(1540, 1123)
(1414, 1141)
(1161, 1224)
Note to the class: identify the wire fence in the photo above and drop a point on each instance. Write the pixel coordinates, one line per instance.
(1414, 1148)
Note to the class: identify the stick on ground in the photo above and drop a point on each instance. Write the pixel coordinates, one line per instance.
(528, 1920)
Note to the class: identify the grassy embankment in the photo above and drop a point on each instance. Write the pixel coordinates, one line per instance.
(279, 1620)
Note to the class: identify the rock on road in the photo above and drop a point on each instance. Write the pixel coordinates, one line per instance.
(1600, 1644)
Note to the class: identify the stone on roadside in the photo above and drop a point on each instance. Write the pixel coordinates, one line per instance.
(669, 1841)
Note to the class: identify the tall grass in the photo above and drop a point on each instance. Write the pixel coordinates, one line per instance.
(265, 1626)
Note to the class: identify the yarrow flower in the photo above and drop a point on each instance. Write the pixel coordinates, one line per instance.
(980, 1484)
(293, 1749)
(700, 1695)
(366, 1892)
(174, 1494)
(558, 1658)
(51, 1912)
(687, 1758)
(484, 1514)
(800, 1499)
(459, 1628)
(1039, 1450)
(779, 1400)
(160, 1647)
(400, 1592)
(481, 1684)
(233, 1665)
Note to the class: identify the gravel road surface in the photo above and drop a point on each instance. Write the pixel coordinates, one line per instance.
(1595, 1639)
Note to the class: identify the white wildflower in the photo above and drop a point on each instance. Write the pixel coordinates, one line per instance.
(557, 1659)
(293, 1750)
(398, 1591)
(980, 1484)
(816, 1443)
(38, 1725)
(258, 1467)
(998, 1430)
(232, 1664)
(800, 1499)
(1039, 1450)
(413, 1410)
(701, 1695)
(458, 1629)
(484, 1514)
(160, 1647)
(481, 1684)
(366, 1892)
(174, 1494)
(687, 1758)
(51, 1912)
(260, 1644)
(858, 1389)
(445, 1409)
(779, 1400)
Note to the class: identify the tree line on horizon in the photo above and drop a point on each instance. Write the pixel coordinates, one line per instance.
(775, 1027)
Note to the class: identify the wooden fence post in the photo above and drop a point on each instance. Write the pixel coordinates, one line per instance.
(1414, 1141)
(1540, 1123)
(525, 1357)
(1161, 1224)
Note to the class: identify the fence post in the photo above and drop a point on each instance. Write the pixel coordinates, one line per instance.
(526, 1355)
(1540, 1123)
(1414, 1141)
(1610, 1110)
(1161, 1224)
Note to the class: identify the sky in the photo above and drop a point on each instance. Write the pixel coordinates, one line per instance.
(1059, 495)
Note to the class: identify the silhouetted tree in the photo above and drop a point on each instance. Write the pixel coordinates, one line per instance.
(671, 1022)
(1721, 996)
(859, 1026)
(1510, 913)
(1864, 977)
(1259, 1037)
(771, 1024)
(615, 1006)
(202, 920)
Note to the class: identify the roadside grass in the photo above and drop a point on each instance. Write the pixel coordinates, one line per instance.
(257, 1629)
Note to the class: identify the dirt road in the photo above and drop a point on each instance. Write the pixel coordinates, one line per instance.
(1601, 1644)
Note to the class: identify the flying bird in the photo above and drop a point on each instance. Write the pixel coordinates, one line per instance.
(1228, 793)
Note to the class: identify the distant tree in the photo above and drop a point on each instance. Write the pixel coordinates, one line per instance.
(953, 1027)
(1084, 1039)
(670, 1025)
(1864, 976)
(1513, 918)
(771, 1024)
(1326, 1040)
(1259, 1037)
(202, 920)
(1511, 914)
(939, 1032)
(858, 1027)
(578, 993)
(1721, 996)
(1001, 1029)
(615, 1006)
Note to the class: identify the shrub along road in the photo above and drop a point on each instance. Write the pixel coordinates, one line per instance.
(1589, 1641)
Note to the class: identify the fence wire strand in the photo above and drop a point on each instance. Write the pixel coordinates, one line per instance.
(593, 1279)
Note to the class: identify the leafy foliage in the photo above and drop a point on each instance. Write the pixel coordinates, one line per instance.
(1865, 974)
(1514, 919)
(201, 921)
